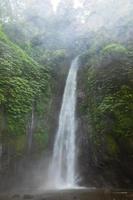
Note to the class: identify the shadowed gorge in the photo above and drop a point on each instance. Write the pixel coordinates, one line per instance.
(66, 99)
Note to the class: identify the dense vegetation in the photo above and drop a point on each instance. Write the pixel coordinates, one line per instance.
(108, 105)
(29, 92)
(25, 96)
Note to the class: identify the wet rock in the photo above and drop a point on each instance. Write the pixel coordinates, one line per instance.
(28, 196)
(75, 198)
(16, 196)
(4, 197)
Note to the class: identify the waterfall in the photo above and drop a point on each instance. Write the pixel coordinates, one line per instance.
(62, 169)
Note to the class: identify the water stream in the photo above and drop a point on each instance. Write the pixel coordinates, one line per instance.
(63, 166)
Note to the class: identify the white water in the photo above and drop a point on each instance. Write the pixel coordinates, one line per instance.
(62, 169)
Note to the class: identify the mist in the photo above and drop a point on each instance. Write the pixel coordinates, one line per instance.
(63, 22)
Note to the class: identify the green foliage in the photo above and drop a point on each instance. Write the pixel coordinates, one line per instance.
(19, 96)
(114, 48)
(41, 138)
(120, 105)
(18, 144)
(52, 58)
(23, 83)
(112, 147)
(110, 97)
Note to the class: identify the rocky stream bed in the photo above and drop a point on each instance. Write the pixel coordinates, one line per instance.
(78, 194)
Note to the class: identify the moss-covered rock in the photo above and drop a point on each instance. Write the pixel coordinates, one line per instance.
(25, 98)
(109, 106)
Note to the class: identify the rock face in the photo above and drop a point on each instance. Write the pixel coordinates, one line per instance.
(104, 122)
(26, 143)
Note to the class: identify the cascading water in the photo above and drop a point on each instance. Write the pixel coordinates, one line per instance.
(62, 169)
